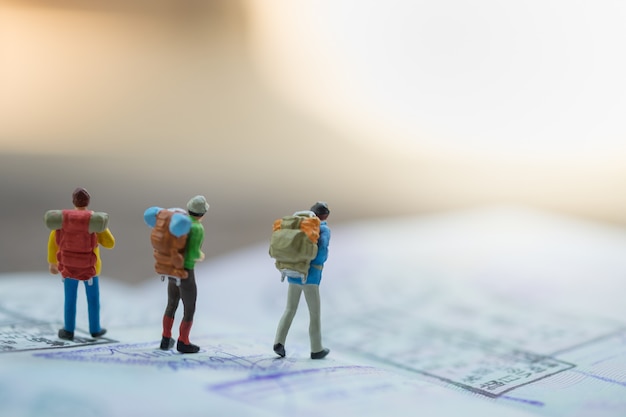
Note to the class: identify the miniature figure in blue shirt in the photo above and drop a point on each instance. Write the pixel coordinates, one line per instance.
(311, 293)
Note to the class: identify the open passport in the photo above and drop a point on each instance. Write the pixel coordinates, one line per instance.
(498, 311)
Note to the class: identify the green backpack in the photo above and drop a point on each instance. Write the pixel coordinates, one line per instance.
(294, 244)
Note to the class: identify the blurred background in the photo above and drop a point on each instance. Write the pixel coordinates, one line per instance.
(392, 108)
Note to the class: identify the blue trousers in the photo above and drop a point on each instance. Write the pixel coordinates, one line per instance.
(93, 304)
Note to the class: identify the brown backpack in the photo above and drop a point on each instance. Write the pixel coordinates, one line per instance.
(169, 250)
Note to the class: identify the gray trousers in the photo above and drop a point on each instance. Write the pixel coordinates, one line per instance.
(312, 297)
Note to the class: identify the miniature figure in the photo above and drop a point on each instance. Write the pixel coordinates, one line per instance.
(177, 238)
(302, 275)
(73, 252)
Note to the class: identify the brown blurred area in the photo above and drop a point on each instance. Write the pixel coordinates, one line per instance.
(149, 102)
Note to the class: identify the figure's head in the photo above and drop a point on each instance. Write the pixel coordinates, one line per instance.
(321, 210)
(80, 198)
(197, 206)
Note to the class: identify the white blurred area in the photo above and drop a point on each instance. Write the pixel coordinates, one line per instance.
(380, 108)
(523, 80)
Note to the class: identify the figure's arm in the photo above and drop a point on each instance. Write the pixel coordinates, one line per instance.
(106, 239)
(322, 246)
(194, 243)
(52, 253)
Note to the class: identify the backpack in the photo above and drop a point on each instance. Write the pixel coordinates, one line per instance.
(76, 239)
(293, 244)
(170, 228)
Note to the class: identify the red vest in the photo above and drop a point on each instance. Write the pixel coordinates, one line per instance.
(75, 256)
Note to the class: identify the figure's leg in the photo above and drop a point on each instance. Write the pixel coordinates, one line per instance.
(92, 289)
(293, 298)
(312, 297)
(173, 297)
(189, 294)
(70, 287)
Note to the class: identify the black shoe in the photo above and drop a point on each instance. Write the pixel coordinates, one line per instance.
(166, 343)
(64, 334)
(321, 354)
(100, 333)
(187, 348)
(279, 349)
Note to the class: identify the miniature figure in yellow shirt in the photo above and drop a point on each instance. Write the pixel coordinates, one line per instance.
(74, 252)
